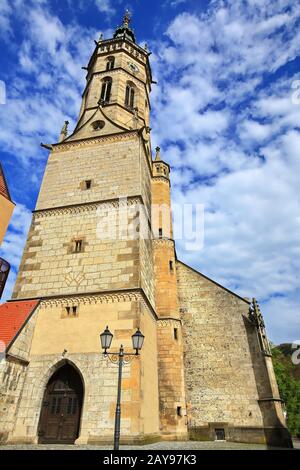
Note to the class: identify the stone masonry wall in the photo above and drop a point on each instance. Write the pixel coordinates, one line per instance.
(78, 336)
(51, 267)
(112, 165)
(120, 261)
(220, 380)
(124, 54)
(12, 375)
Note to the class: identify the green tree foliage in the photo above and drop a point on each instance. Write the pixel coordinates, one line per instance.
(289, 387)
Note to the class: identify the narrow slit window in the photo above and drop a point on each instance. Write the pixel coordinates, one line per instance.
(131, 103)
(78, 246)
(88, 184)
(71, 311)
(129, 96)
(179, 411)
(171, 266)
(176, 334)
(160, 232)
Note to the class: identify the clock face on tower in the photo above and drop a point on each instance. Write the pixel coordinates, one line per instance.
(133, 67)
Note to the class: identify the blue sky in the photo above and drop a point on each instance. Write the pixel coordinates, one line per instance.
(226, 113)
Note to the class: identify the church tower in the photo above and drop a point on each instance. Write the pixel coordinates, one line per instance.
(101, 251)
(90, 257)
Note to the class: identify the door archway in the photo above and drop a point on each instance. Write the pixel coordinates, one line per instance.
(61, 407)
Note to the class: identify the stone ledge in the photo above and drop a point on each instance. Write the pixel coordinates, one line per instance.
(127, 440)
(89, 206)
(271, 436)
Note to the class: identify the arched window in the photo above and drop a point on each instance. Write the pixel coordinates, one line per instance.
(106, 90)
(130, 96)
(110, 64)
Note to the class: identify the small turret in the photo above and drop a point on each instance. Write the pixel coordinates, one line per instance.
(160, 168)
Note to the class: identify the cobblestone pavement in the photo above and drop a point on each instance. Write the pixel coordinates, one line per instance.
(172, 446)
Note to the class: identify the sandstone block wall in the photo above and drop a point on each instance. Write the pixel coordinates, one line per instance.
(57, 339)
(12, 376)
(220, 379)
(113, 167)
(166, 279)
(99, 384)
(107, 262)
(119, 114)
(51, 267)
(162, 207)
(172, 400)
(124, 55)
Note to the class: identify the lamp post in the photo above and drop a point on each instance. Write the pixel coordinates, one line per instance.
(120, 359)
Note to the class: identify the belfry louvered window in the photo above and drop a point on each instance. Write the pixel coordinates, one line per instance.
(129, 96)
(106, 90)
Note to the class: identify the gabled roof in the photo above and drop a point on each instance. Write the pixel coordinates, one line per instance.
(13, 316)
(247, 301)
(4, 191)
(82, 131)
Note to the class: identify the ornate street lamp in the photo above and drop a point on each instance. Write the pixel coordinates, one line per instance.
(106, 339)
(120, 359)
(137, 341)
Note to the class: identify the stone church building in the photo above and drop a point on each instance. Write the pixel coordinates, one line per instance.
(205, 371)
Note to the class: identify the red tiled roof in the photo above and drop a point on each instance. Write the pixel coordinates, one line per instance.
(13, 316)
(3, 186)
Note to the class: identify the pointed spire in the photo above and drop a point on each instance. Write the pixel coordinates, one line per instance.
(124, 32)
(157, 157)
(64, 132)
(127, 18)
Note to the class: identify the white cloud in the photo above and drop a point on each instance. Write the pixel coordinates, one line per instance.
(231, 136)
(175, 3)
(5, 14)
(105, 6)
(244, 163)
(283, 315)
(49, 86)
(253, 130)
(44, 89)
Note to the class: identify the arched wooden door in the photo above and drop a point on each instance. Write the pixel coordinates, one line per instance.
(61, 407)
